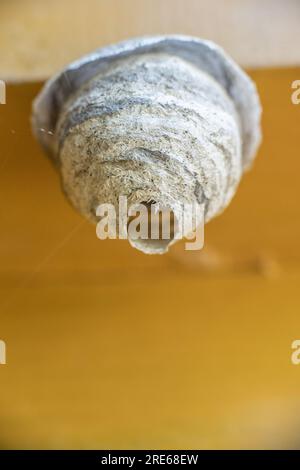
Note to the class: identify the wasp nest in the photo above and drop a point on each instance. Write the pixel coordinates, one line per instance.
(169, 120)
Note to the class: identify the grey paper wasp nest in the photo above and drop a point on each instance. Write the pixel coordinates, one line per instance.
(168, 119)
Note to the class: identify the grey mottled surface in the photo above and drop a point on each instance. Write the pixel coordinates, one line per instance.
(165, 119)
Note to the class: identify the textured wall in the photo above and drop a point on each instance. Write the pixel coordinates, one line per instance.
(109, 348)
(38, 37)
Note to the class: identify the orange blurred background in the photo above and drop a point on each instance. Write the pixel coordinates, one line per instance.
(109, 348)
